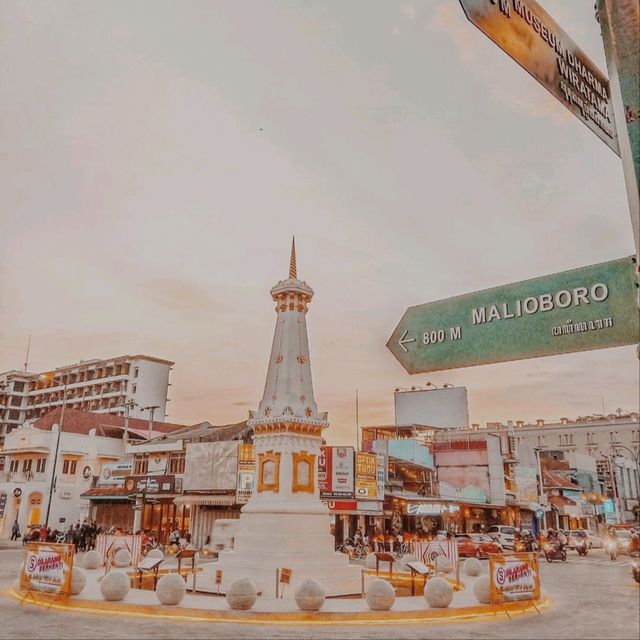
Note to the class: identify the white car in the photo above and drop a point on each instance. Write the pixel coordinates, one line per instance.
(503, 535)
(594, 540)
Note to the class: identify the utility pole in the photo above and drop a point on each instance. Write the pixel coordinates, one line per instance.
(151, 410)
(357, 424)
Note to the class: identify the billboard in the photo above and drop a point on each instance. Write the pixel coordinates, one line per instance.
(514, 576)
(47, 567)
(336, 472)
(246, 473)
(211, 466)
(366, 480)
(592, 307)
(115, 472)
(432, 407)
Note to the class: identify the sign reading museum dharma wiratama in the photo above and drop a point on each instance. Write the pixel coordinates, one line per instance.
(527, 33)
(592, 307)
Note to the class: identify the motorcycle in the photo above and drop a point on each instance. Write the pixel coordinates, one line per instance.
(582, 548)
(554, 551)
(635, 568)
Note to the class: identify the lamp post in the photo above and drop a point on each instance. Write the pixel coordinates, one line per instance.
(52, 484)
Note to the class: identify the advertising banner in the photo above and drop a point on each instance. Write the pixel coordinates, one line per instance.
(381, 474)
(246, 473)
(336, 472)
(514, 576)
(150, 484)
(211, 466)
(366, 476)
(3, 503)
(115, 472)
(47, 568)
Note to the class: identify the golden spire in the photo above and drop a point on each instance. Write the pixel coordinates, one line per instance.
(292, 263)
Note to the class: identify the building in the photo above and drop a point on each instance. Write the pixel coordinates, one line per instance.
(181, 480)
(136, 385)
(87, 442)
(612, 442)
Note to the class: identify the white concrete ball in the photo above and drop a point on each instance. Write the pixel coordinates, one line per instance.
(472, 567)
(171, 589)
(380, 595)
(370, 561)
(115, 585)
(92, 560)
(438, 593)
(122, 558)
(155, 553)
(309, 595)
(482, 589)
(241, 594)
(78, 580)
(443, 564)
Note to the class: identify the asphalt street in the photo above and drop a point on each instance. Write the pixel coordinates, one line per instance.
(593, 598)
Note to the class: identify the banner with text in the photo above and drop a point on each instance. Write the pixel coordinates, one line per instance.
(246, 473)
(47, 567)
(336, 472)
(514, 576)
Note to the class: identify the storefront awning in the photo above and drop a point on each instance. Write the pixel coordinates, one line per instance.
(206, 499)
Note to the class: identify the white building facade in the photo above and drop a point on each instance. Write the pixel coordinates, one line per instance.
(116, 385)
(26, 475)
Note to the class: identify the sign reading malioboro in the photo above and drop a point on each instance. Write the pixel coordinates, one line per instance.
(588, 308)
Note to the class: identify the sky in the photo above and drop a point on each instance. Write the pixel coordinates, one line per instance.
(157, 157)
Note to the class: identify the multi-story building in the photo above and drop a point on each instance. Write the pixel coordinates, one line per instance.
(87, 442)
(134, 384)
(613, 442)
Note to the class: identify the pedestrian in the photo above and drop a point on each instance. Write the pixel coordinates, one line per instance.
(15, 530)
(43, 534)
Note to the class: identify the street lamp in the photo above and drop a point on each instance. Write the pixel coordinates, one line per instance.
(51, 377)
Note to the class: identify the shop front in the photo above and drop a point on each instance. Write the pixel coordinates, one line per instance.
(347, 516)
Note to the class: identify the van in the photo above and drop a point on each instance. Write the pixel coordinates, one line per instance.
(503, 535)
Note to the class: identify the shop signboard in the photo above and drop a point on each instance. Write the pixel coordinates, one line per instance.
(514, 576)
(592, 307)
(431, 509)
(355, 507)
(529, 35)
(336, 472)
(381, 477)
(3, 503)
(115, 472)
(47, 567)
(246, 473)
(366, 482)
(157, 464)
(150, 484)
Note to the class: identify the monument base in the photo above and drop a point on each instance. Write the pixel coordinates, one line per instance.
(266, 542)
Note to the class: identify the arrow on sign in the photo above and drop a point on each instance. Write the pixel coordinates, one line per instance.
(404, 340)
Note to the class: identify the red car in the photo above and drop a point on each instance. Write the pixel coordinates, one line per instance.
(477, 545)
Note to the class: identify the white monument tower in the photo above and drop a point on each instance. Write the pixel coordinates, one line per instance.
(284, 525)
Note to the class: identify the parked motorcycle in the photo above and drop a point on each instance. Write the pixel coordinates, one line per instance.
(554, 551)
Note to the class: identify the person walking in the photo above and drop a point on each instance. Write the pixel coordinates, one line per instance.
(15, 530)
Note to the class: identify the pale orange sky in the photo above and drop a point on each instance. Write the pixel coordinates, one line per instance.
(157, 157)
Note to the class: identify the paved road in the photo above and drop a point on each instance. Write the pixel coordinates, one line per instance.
(594, 598)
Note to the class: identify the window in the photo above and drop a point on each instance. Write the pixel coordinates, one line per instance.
(134, 388)
(541, 441)
(18, 386)
(2, 459)
(176, 462)
(69, 467)
(140, 464)
(26, 464)
(16, 401)
(135, 372)
(14, 415)
(41, 464)
(13, 465)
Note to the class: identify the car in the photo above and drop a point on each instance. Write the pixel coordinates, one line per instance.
(624, 540)
(477, 545)
(594, 540)
(503, 535)
(576, 537)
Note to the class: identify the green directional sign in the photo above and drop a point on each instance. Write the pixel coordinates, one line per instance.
(588, 308)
